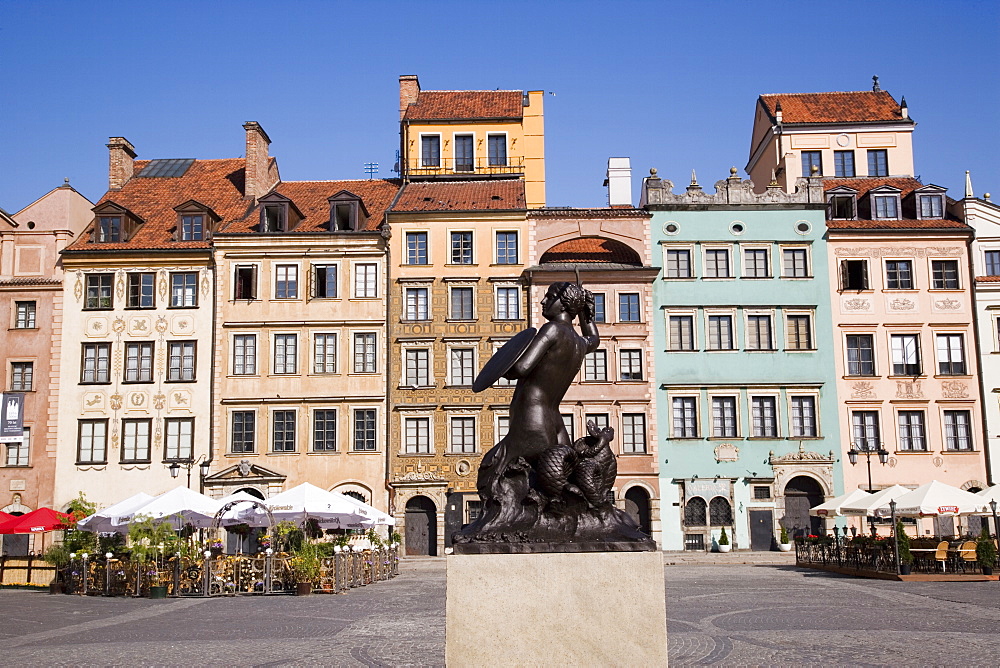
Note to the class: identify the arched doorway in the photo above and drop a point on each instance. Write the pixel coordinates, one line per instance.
(801, 494)
(637, 506)
(421, 527)
(252, 491)
(16, 544)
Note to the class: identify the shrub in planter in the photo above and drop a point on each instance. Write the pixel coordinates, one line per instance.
(723, 541)
(784, 536)
(986, 552)
(905, 556)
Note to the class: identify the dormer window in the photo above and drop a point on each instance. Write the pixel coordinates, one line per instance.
(347, 212)
(113, 224)
(885, 206)
(195, 221)
(278, 214)
(930, 206)
(193, 227)
(842, 204)
(273, 218)
(109, 229)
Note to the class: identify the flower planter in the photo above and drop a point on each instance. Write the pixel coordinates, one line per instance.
(725, 548)
(303, 588)
(987, 570)
(904, 569)
(784, 547)
(159, 591)
(57, 588)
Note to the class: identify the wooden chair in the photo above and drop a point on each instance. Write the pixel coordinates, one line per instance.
(967, 553)
(941, 555)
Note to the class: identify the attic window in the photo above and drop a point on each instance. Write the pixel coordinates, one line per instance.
(273, 218)
(192, 227)
(344, 216)
(108, 229)
(885, 206)
(496, 197)
(841, 207)
(930, 206)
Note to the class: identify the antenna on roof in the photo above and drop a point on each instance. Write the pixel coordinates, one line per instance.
(371, 169)
(395, 167)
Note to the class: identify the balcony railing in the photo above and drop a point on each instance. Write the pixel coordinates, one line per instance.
(461, 166)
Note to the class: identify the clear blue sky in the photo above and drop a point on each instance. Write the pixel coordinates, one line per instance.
(669, 84)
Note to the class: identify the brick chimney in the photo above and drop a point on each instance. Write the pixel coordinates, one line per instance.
(255, 171)
(121, 163)
(409, 89)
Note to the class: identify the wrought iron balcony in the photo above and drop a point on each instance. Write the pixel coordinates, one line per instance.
(465, 166)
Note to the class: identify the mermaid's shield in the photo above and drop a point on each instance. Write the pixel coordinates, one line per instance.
(503, 359)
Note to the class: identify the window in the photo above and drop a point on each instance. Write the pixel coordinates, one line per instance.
(724, 417)
(864, 430)
(795, 263)
(878, 162)
(416, 304)
(678, 263)
(885, 206)
(283, 430)
(681, 332)
(567, 419)
(497, 146)
(759, 332)
(417, 436)
(17, 452)
(951, 355)
(720, 332)
(140, 290)
(854, 274)
(695, 512)
(430, 151)
(508, 304)
(462, 371)
(930, 206)
(243, 432)
(595, 366)
(905, 354)
(720, 512)
(365, 277)
(765, 416)
(798, 329)
(474, 511)
(192, 227)
(418, 367)
(286, 353)
(109, 229)
(804, 417)
(139, 362)
(633, 433)
(181, 360)
(461, 303)
(364, 352)
(244, 354)
(506, 247)
(899, 275)
(992, 267)
(463, 153)
(685, 417)
(841, 207)
(364, 430)
(95, 365)
(600, 419)
(461, 247)
(911, 430)
(324, 353)
(343, 215)
(246, 282)
(325, 431)
(325, 281)
(628, 307)
(22, 376)
(184, 289)
(99, 291)
(631, 364)
(135, 441)
(860, 355)
(599, 307)
(462, 436)
(25, 315)
(717, 263)
(273, 218)
(957, 430)
(812, 159)
(286, 281)
(945, 274)
(761, 493)
(503, 426)
(180, 439)
(755, 263)
(91, 442)
(843, 164)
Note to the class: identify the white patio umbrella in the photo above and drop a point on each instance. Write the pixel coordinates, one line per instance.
(866, 505)
(307, 501)
(102, 520)
(937, 498)
(990, 494)
(244, 510)
(180, 506)
(371, 516)
(832, 508)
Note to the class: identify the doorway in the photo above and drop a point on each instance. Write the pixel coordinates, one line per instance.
(637, 506)
(761, 530)
(801, 494)
(421, 527)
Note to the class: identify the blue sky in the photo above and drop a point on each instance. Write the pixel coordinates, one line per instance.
(670, 84)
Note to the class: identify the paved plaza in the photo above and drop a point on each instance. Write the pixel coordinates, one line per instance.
(734, 614)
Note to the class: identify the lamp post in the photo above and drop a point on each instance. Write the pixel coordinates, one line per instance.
(866, 447)
(895, 538)
(175, 469)
(996, 529)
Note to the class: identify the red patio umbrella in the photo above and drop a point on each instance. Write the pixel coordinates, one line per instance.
(6, 519)
(38, 521)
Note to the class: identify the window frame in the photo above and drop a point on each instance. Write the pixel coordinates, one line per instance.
(321, 355)
(502, 301)
(136, 288)
(686, 425)
(946, 274)
(179, 421)
(461, 137)
(371, 431)
(841, 168)
(97, 367)
(245, 282)
(136, 459)
(286, 281)
(327, 268)
(751, 270)
(753, 332)
(465, 357)
(25, 314)
(674, 260)
(950, 366)
(794, 252)
(496, 160)
(712, 268)
(246, 435)
(631, 359)
(466, 447)
(948, 425)
(453, 303)
(184, 368)
(188, 291)
(413, 365)
(902, 367)
(365, 280)
(625, 310)
(420, 439)
(241, 355)
(416, 248)
(285, 442)
(710, 333)
(862, 363)
(415, 309)
(848, 278)
(432, 158)
(801, 424)
(93, 460)
(635, 434)
(764, 425)
(104, 297)
(899, 274)
(909, 431)
(369, 356)
(810, 158)
(281, 368)
(878, 162)
(681, 333)
(810, 334)
(17, 454)
(324, 415)
(725, 416)
(505, 256)
(22, 376)
(143, 367)
(466, 251)
(595, 366)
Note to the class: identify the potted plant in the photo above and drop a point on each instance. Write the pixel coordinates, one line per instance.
(905, 556)
(305, 567)
(986, 552)
(724, 545)
(784, 544)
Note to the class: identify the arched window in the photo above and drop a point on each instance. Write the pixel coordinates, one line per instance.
(720, 513)
(694, 512)
(356, 495)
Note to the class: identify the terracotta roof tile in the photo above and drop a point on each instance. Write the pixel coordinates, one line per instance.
(571, 212)
(905, 224)
(432, 105)
(491, 195)
(864, 184)
(847, 107)
(591, 249)
(987, 279)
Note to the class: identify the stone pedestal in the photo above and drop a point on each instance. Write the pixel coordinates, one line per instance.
(556, 609)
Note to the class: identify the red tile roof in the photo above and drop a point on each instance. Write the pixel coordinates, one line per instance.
(905, 224)
(847, 107)
(311, 198)
(571, 212)
(864, 184)
(492, 195)
(437, 105)
(218, 184)
(987, 279)
(592, 249)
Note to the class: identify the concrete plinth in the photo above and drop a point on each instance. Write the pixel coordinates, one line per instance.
(560, 609)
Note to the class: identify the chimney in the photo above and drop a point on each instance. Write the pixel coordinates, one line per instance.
(619, 182)
(121, 163)
(777, 112)
(409, 89)
(903, 109)
(255, 171)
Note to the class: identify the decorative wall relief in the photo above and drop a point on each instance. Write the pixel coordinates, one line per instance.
(139, 326)
(909, 389)
(862, 390)
(179, 400)
(727, 452)
(856, 304)
(955, 389)
(900, 304)
(182, 325)
(938, 461)
(137, 400)
(93, 401)
(947, 304)
(78, 286)
(120, 285)
(97, 326)
(118, 326)
(116, 401)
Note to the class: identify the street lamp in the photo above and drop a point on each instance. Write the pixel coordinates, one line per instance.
(867, 448)
(175, 469)
(996, 529)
